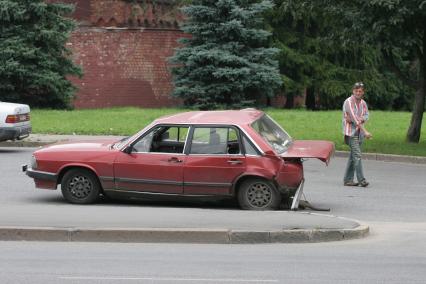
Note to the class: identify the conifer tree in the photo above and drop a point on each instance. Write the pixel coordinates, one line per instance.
(34, 61)
(225, 61)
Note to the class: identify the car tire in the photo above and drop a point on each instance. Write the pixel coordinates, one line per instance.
(80, 186)
(258, 194)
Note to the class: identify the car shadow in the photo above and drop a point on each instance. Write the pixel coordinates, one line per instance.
(183, 203)
(107, 202)
(8, 150)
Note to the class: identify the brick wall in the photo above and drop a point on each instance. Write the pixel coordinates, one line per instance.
(123, 67)
(82, 11)
(123, 48)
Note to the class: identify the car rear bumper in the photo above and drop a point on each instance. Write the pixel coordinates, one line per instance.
(16, 132)
(41, 179)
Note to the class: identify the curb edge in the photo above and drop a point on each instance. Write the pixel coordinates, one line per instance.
(171, 235)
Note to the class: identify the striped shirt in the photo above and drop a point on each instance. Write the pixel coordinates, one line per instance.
(353, 115)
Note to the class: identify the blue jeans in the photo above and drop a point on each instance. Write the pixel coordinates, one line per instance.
(354, 164)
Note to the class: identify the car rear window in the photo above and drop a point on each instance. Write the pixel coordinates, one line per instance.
(272, 133)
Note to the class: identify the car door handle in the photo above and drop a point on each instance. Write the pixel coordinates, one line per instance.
(234, 162)
(174, 160)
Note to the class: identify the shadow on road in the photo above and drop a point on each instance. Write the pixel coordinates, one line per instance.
(11, 150)
(108, 202)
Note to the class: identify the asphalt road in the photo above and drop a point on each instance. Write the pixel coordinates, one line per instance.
(397, 192)
(382, 258)
(395, 251)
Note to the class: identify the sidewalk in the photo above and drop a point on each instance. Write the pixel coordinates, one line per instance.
(36, 140)
(147, 223)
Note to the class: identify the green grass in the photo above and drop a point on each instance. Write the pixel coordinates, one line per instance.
(111, 121)
(388, 128)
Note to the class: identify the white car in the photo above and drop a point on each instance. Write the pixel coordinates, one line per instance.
(15, 121)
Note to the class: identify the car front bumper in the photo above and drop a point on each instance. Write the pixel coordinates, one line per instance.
(297, 196)
(42, 179)
(13, 133)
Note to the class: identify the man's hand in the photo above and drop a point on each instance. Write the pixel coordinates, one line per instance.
(368, 135)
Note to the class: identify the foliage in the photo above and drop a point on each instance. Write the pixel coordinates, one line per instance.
(397, 27)
(327, 68)
(34, 62)
(154, 2)
(225, 62)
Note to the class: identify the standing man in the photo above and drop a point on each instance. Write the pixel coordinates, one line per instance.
(355, 114)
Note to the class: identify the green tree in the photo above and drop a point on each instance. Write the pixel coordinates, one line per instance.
(225, 62)
(34, 61)
(326, 68)
(398, 28)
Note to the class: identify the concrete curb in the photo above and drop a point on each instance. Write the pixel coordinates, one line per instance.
(169, 235)
(386, 157)
(23, 143)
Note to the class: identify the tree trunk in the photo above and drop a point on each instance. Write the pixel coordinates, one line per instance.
(413, 134)
(289, 103)
(310, 99)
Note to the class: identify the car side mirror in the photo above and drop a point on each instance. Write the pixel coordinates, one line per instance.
(128, 149)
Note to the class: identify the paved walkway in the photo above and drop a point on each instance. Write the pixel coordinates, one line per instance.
(144, 223)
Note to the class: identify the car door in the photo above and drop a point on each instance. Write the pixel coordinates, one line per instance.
(214, 160)
(155, 162)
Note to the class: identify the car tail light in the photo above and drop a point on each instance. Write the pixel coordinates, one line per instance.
(12, 119)
(15, 118)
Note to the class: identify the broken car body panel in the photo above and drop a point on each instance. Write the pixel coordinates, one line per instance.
(322, 150)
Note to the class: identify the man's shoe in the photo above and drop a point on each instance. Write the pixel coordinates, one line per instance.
(364, 183)
(350, 183)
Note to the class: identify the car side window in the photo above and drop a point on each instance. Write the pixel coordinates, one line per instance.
(248, 146)
(215, 140)
(163, 139)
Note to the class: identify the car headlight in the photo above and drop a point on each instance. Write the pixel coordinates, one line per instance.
(33, 162)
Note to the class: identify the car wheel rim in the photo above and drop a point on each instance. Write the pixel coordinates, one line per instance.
(80, 187)
(259, 195)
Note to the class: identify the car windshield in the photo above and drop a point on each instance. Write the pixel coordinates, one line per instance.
(272, 133)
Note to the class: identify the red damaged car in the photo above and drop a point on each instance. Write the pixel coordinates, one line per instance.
(239, 154)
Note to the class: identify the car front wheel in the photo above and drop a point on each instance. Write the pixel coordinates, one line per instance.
(80, 186)
(258, 194)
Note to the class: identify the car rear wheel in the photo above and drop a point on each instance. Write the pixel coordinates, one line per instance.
(258, 194)
(80, 186)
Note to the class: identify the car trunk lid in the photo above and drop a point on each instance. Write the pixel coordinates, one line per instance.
(12, 114)
(322, 150)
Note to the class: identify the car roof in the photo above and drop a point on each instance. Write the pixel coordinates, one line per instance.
(237, 117)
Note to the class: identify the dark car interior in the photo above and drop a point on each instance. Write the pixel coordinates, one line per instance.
(162, 143)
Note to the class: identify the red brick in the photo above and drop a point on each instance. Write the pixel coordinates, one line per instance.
(124, 48)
